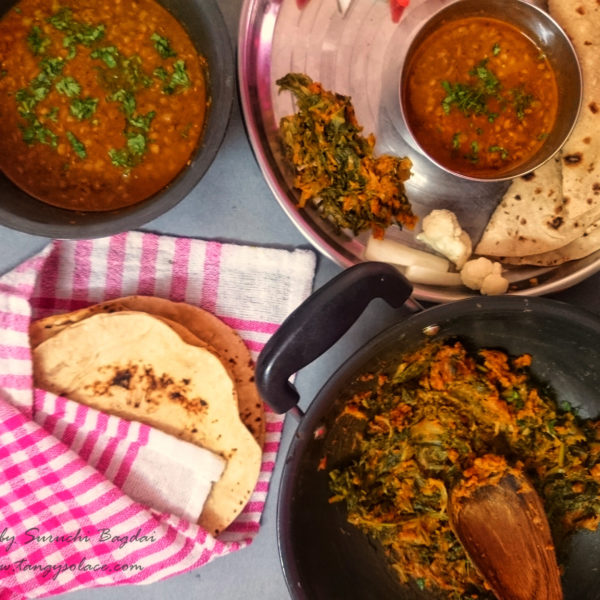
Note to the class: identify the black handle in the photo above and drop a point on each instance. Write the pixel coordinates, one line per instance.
(321, 321)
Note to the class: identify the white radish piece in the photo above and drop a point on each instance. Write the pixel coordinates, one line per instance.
(396, 253)
(425, 276)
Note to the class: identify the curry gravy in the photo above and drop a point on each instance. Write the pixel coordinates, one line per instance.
(102, 102)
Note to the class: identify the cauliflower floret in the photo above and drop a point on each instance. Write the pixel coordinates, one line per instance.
(484, 275)
(442, 231)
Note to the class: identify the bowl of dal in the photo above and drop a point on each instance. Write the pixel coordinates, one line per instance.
(110, 112)
(490, 90)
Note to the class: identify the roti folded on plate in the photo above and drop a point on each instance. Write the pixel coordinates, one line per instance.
(195, 326)
(529, 218)
(581, 247)
(558, 203)
(134, 365)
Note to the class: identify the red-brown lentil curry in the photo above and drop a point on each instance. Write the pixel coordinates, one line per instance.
(102, 102)
(480, 96)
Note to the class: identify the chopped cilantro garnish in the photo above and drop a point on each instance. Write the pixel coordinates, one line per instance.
(487, 79)
(468, 99)
(142, 121)
(40, 86)
(163, 46)
(456, 140)
(500, 150)
(26, 102)
(127, 74)
(161, 73)
(179, 78)
(123, 158)
(108, 54)
(496, 49)
(75, 32)
(77, 145)
(53, 114)
(473, 97)
(68, 86)
(83, 108)
(52, 66)
(474, 155)
(61, 20)
(136, 143)
(37, 41)
(521, 102)
(34, 132)
(127, 100)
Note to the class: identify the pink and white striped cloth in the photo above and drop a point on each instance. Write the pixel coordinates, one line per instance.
(65, 522)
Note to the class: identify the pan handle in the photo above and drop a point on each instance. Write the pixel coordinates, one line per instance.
(319, 322)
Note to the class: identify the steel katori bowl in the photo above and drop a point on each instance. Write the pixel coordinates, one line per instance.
(207, 29)
(547, 35)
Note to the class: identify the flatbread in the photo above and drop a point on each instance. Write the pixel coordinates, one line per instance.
(556, 204)
(530, 215)
(581, 153)
(134, 365)
(196, 326)
(583, 246)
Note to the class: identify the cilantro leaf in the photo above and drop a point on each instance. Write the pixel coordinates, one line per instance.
(161, 73)
(52, 66)
(163, 46)
(68, 86)
(77, 145)
(34, 132)
(136, 143)
(26, 102)
(142, 121)
(127, 100)
(108, 54)
(179, 78)
(37, 41)
(180, 75)
(123, 158)
(75, 32)
(83, 108)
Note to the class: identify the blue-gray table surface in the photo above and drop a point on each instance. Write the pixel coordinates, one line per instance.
(243, 209)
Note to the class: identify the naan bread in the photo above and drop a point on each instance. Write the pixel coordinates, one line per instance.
(195, 326)
(134, 365)
(556, 204)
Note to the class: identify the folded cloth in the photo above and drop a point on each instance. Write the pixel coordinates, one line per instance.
(80, 502)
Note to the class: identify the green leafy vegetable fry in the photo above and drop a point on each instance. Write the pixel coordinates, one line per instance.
(334, 164)
(429, 419)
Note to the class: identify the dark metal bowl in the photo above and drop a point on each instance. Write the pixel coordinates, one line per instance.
(540, 27)
(207, 29)
(323, 556)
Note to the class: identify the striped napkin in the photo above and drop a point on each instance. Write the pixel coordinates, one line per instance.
(65, 521)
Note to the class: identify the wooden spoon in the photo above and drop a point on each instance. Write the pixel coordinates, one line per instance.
(501, 523)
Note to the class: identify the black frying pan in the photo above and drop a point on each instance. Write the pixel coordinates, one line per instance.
(323, 556)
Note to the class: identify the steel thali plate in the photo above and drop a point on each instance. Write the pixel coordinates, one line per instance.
(359, 53)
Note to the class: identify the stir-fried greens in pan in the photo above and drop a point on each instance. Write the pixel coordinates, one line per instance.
(334, 164)
(423, 422)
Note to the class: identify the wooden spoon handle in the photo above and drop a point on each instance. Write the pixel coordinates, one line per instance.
(503, 528)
